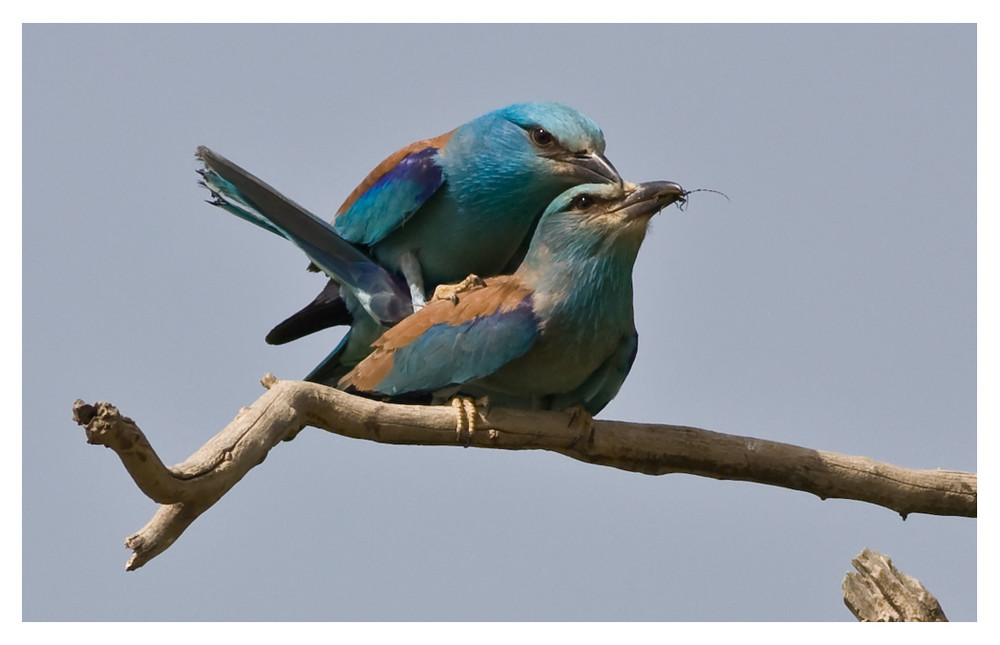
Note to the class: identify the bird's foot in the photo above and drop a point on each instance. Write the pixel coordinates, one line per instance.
(451, 291)
(465, 419)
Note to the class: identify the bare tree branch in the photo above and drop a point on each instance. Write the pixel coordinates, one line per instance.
(191, 487)
(879, 592)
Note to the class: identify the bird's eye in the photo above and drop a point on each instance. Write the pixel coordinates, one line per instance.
(582, 202)
(542, 137)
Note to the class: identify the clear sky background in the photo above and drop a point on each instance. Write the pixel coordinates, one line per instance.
(831, 303)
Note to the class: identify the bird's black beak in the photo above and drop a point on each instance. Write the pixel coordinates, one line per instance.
(645, 200)
(592, 168)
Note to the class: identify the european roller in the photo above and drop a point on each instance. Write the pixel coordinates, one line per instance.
(557, 333)
(465, 202)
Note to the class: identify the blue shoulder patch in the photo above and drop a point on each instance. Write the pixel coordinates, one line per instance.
(396, 196)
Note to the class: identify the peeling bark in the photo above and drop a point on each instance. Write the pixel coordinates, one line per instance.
(879, 592)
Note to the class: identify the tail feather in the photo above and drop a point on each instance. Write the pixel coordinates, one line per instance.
(331, 369)
(238, 192)
(354, 347)
(229, 198)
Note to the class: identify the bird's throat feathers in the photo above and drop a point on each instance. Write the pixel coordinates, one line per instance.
(589, 277)
(576, 248)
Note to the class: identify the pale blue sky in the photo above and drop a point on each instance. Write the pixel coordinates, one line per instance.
(830, 304)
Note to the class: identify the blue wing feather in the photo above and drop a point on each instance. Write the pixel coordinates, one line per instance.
(447, 354)
(393, 198)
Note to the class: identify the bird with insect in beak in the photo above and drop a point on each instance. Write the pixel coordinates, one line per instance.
(431, 213)
(557, 333)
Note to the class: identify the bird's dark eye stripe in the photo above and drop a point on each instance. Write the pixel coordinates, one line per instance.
(541, 137)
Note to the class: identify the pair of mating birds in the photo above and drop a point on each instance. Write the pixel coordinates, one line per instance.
(523, 196)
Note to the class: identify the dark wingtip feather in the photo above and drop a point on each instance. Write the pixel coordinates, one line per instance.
(327, 309)
(308, 320)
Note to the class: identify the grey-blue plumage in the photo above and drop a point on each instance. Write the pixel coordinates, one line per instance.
(559, 332)
(433, 212)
